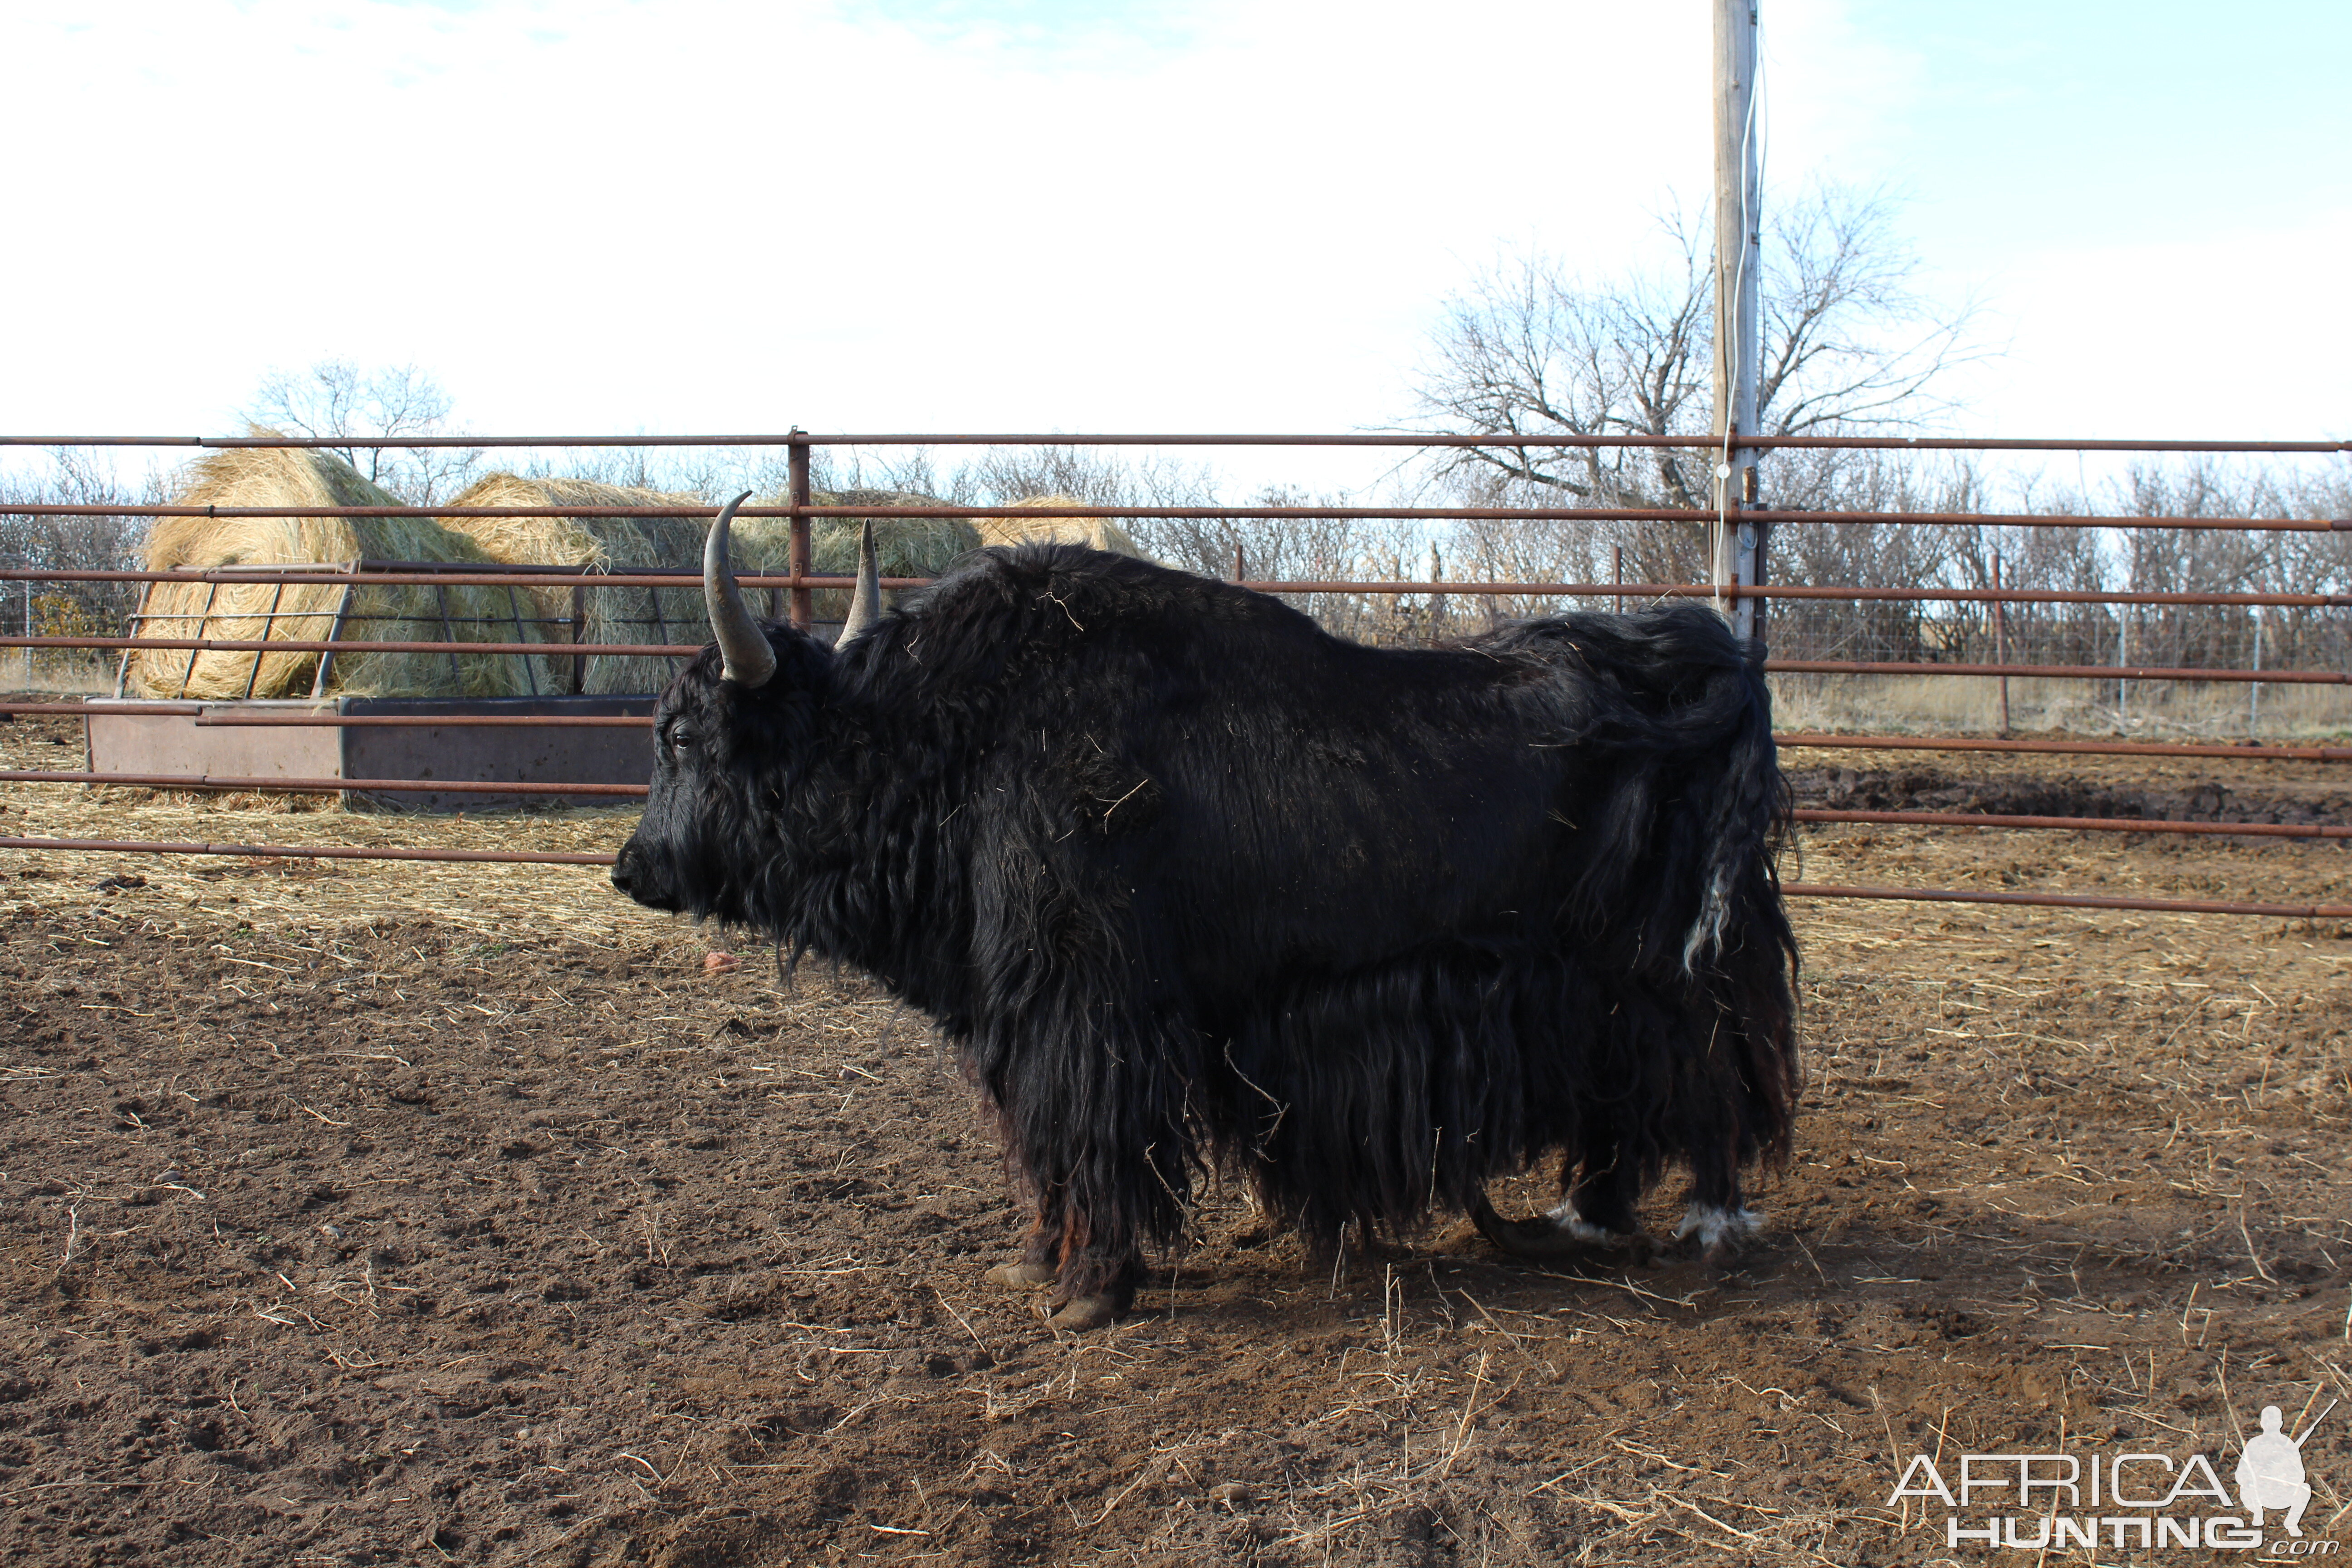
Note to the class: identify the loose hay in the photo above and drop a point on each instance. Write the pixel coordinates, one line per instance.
(304, 612)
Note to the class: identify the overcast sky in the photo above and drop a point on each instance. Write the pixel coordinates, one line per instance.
(1079, 215)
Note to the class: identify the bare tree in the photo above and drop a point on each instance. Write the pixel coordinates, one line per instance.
(1850, 346)
(101, 544)
(337, 399)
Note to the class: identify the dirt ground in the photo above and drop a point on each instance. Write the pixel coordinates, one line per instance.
(365, 1213)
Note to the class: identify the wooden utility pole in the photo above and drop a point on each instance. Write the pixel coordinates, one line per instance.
(1736, 548)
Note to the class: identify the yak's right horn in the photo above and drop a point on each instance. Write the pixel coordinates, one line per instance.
(866, 603)
(743, 651)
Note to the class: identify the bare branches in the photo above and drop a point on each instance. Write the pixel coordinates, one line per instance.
(1850, 346)
(336, 397)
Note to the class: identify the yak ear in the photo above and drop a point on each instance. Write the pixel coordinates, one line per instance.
(866, 603)
(743, 651)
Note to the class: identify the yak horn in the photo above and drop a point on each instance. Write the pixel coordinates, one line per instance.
(745, 655)
(866, 603)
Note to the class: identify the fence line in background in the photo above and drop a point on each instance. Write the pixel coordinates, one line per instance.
(278, 785)
(261, 785)
(1433, 439)
(1793, 889)
(802, 511)
(1216, 513)
(476, 574)
(310, 851)
(688, 650)
(207, 716)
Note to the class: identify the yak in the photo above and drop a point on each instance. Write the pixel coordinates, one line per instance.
(1192, 886)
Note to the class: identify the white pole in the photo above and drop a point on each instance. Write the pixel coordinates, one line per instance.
(2255, 687)
(2123, 661)
(1736, 549)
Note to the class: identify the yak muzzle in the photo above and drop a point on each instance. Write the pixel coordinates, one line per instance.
(630, 876)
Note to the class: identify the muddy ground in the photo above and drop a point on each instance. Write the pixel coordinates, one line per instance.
(365, 1213)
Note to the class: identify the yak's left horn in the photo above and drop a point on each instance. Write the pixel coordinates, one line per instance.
(866, 603)
(743, 651)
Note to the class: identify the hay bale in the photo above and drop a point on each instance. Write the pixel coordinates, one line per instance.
(610, 544)
(904, 546)
(908, 546)
(1098, 532)
(290, 476)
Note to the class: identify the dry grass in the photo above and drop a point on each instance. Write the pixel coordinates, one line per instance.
(607, 544)
(904, 546)
(908, 546)
(280, 477)
(1959, 704)
(1098, 532)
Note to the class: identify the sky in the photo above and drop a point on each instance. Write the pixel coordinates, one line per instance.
(1077, 215)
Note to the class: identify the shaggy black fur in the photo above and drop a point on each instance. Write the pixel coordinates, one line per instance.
(1188, 881)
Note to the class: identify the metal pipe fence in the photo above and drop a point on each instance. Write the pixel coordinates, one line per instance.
(2042, 632)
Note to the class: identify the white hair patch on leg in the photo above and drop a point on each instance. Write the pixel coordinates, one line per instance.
(1571, 1223)
(1712, 1224)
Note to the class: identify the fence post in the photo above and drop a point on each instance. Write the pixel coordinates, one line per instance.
(804, 601)
(1736, 553)
(2000, 641)
(2255, 687)
(579, 615)
(2123, 662)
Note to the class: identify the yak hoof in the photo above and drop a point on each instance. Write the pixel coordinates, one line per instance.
(1551, 1238)
(1024, 1276)
(1718, 1232)
(1081, 1313)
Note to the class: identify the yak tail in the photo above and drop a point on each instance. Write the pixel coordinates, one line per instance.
(1744, 802)
(1681, 837)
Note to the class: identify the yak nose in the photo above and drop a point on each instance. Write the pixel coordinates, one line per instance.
(631, 877)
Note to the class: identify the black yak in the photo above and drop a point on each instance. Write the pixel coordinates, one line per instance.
(1190, 883)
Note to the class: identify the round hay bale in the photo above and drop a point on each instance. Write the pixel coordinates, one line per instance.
(903, 546)
(622, 545)
(907, 547)
(306, 612)
(1097, 532)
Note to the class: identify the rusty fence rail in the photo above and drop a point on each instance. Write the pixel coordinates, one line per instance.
(206, 714)
(294, 786)
(2309, 911)
(688, 650)
(480, 574)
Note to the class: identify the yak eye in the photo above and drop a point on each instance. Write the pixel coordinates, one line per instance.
(681, 739)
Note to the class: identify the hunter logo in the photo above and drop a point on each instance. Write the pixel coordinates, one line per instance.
(2269, 1472)
(2033, 1502)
